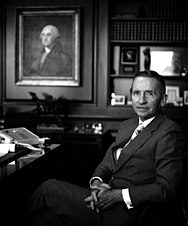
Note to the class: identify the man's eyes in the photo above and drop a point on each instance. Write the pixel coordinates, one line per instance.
(47, 34)
(147, 93)
(136, 93)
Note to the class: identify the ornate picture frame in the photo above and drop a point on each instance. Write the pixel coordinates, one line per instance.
(61, 66)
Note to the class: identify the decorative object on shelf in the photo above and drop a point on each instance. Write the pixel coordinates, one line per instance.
(147, 60)
(89, 128)
(57, 107)
(184, 70)
(179, 101)
(116, 59)
(185, 95)
(97, 127)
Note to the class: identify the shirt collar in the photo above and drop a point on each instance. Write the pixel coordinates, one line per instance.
(47, 50)
(146, 122)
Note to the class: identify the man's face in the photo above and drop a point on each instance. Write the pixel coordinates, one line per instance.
(146, 97)
(47, 37)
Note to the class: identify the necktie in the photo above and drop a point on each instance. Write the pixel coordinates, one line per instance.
(138, 129)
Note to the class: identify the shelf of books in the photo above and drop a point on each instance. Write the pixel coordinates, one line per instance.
(154, 30)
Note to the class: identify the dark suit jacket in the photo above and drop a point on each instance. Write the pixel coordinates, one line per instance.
(151, 166)
(57, 63)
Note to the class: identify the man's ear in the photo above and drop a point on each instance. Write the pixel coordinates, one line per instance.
(164, 100)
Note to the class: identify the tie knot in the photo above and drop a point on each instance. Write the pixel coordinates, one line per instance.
(140, 127)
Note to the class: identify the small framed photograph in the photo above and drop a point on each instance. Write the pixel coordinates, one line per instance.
(173, 93)
(118, 100)
(129, 55)
(186, 97)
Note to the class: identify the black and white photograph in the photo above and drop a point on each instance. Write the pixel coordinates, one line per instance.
(93, 113)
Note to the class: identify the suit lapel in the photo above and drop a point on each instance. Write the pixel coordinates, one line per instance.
(126, 134)
(135, 144)
(123, 138)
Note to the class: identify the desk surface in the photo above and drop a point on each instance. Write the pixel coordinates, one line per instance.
(19, 184)
(13, 161)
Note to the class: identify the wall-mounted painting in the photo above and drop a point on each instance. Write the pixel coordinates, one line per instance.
(48, 46)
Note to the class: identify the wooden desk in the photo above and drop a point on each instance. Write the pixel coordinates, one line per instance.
(8, 158)
(13, 161)
(16, 187)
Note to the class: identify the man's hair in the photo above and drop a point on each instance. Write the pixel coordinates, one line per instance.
(54, 30)
(151, 74)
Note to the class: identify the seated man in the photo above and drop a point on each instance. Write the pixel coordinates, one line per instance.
(143, 167)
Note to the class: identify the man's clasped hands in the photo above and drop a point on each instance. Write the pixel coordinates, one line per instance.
(102, 196)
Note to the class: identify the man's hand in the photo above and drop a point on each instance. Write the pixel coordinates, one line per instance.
(96, 187)
(108, 198)
(90, 203)
(103, 197)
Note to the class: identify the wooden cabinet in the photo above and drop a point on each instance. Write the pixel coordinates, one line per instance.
(81, 152)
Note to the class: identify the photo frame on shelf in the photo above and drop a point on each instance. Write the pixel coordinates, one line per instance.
(118, 100)
(128, 60)
(185, 97)
(129, 55)
(173, 93)
(60, 66)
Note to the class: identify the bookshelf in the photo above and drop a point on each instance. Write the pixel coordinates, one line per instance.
(144, 24)
(152, 30)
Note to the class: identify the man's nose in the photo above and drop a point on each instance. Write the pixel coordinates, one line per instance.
(142, 98)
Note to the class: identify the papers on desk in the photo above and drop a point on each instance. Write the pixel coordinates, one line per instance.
(5, 148)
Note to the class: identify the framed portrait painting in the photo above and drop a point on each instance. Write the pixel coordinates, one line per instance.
(47, 46)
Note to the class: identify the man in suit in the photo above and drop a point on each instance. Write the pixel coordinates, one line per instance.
(51, 61)
(141, 168)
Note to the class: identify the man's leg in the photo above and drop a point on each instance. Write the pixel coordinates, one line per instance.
(60, 201)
